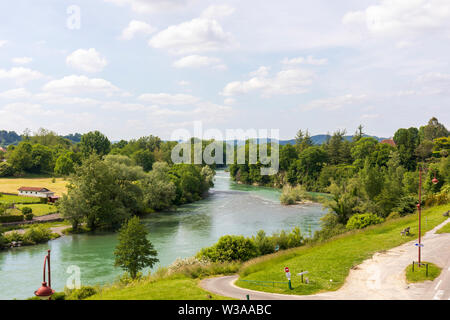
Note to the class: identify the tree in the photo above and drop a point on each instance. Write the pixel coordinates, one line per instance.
(64, 164)
(288, 155)
(134, 251)
(407, 141)
(359, 134)
(158, 189)
(363, 148)
(303, 140)
(433, 130)
(144, 158)
(94, 143)
(20, 159)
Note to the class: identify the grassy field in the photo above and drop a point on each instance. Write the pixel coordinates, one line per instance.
(329, 263)
(180, 288)
(444, 229)
(10, 185)
(419, 274)
(40, 209)
(6, 198)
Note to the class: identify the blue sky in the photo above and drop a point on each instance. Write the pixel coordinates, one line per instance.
(139, 67)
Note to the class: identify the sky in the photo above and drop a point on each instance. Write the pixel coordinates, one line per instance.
(131, 68)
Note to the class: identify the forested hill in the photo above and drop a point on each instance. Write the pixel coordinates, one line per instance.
(12, 138)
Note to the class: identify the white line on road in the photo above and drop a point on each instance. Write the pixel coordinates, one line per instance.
(438, 295)
(437, 286)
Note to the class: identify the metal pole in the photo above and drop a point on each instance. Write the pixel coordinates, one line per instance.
(49, 278)
(419, 206)
(290, 285)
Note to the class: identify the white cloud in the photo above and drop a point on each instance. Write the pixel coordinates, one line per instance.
(168, 99)
(88, 60)
(80, 84)
(308, 60)
(196, 61)
(150, 6)
(135, 27)
(335, 102)
(396, 17)
(285, 82)
(217, 11)
(22, 60)
(20, 75)
(3, 43)
(14, 94)
(197, 35)
(183, 83)
(229, 101)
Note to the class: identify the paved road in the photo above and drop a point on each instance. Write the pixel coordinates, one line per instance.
(379, 278)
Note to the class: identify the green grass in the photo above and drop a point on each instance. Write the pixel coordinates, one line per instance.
(9, 199)
(180, 288)
(419, 274)
(333, 260)
(40, 209)
(444, 229)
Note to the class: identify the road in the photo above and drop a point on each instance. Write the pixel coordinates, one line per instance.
(379, 278)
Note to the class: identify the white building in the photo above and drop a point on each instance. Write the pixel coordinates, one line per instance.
(36, 192)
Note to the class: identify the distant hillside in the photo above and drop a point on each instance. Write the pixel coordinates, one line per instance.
(317, 140)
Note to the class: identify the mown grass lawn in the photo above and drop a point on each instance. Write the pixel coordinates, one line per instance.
(11, 185)
(329, 263)
(420, 274)
(444, 229)
(40, 209)
(163, 289)
(9, 199)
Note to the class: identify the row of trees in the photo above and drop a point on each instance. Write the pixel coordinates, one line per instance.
(363, 175)
(105, 192)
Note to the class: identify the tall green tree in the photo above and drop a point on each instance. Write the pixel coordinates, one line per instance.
(134, 251)
(407, 141)
(95, 143)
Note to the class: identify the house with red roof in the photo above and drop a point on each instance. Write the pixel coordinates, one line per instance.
(389, 141)
(36, 192)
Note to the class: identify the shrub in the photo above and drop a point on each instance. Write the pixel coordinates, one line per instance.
(291, 195)
(37, 234)
(29, 216)
(230, 248)
(3, 241)
(44, 200)
(6, 219)
(360, 221)
(80, 294)
(26, 210)
(406, 205)
(13, 236)
(263, 243)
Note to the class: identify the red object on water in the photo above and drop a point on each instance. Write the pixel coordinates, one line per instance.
(286, 269)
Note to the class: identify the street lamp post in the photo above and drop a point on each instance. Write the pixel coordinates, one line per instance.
(419, 208)
(45, 292)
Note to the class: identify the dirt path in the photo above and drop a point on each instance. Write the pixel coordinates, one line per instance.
(379, 278)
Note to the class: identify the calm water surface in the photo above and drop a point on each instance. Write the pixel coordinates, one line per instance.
(230, 209)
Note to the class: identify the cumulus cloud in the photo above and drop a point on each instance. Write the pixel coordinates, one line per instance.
(285, 82)
(335, 103)
(196, 61)
(168, 99)
(22, 60)
(197, 35)
(20, 75)
(14, 94)
(308, 60)
(136, 27)
(396, 17)
(80, 84)
(88, 60)
(217, 11)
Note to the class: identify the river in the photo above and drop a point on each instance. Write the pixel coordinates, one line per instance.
(230, 209)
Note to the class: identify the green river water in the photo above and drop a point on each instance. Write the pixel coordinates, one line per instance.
(230, 209)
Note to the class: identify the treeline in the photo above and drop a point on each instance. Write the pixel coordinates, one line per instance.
(362, 175)
(109, 182)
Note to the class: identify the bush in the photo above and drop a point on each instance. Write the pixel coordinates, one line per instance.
(289, 240)
(360, 221)
(393, 215)
(37, 234)
(13, 236)
(230, 248)
(26, 210)
(81, 294)
(406, 205)
(44, 200)
(3, 241)
(263, 243)
(29, 216)
(291, 195)
(5, 219)
(195, 268)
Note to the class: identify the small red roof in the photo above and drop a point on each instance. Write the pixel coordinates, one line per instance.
(34, 189)
(389, 141)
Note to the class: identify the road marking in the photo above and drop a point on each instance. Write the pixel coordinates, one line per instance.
(437, 286)
(438, 295)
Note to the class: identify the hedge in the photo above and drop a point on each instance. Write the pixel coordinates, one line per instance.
(5, 219)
